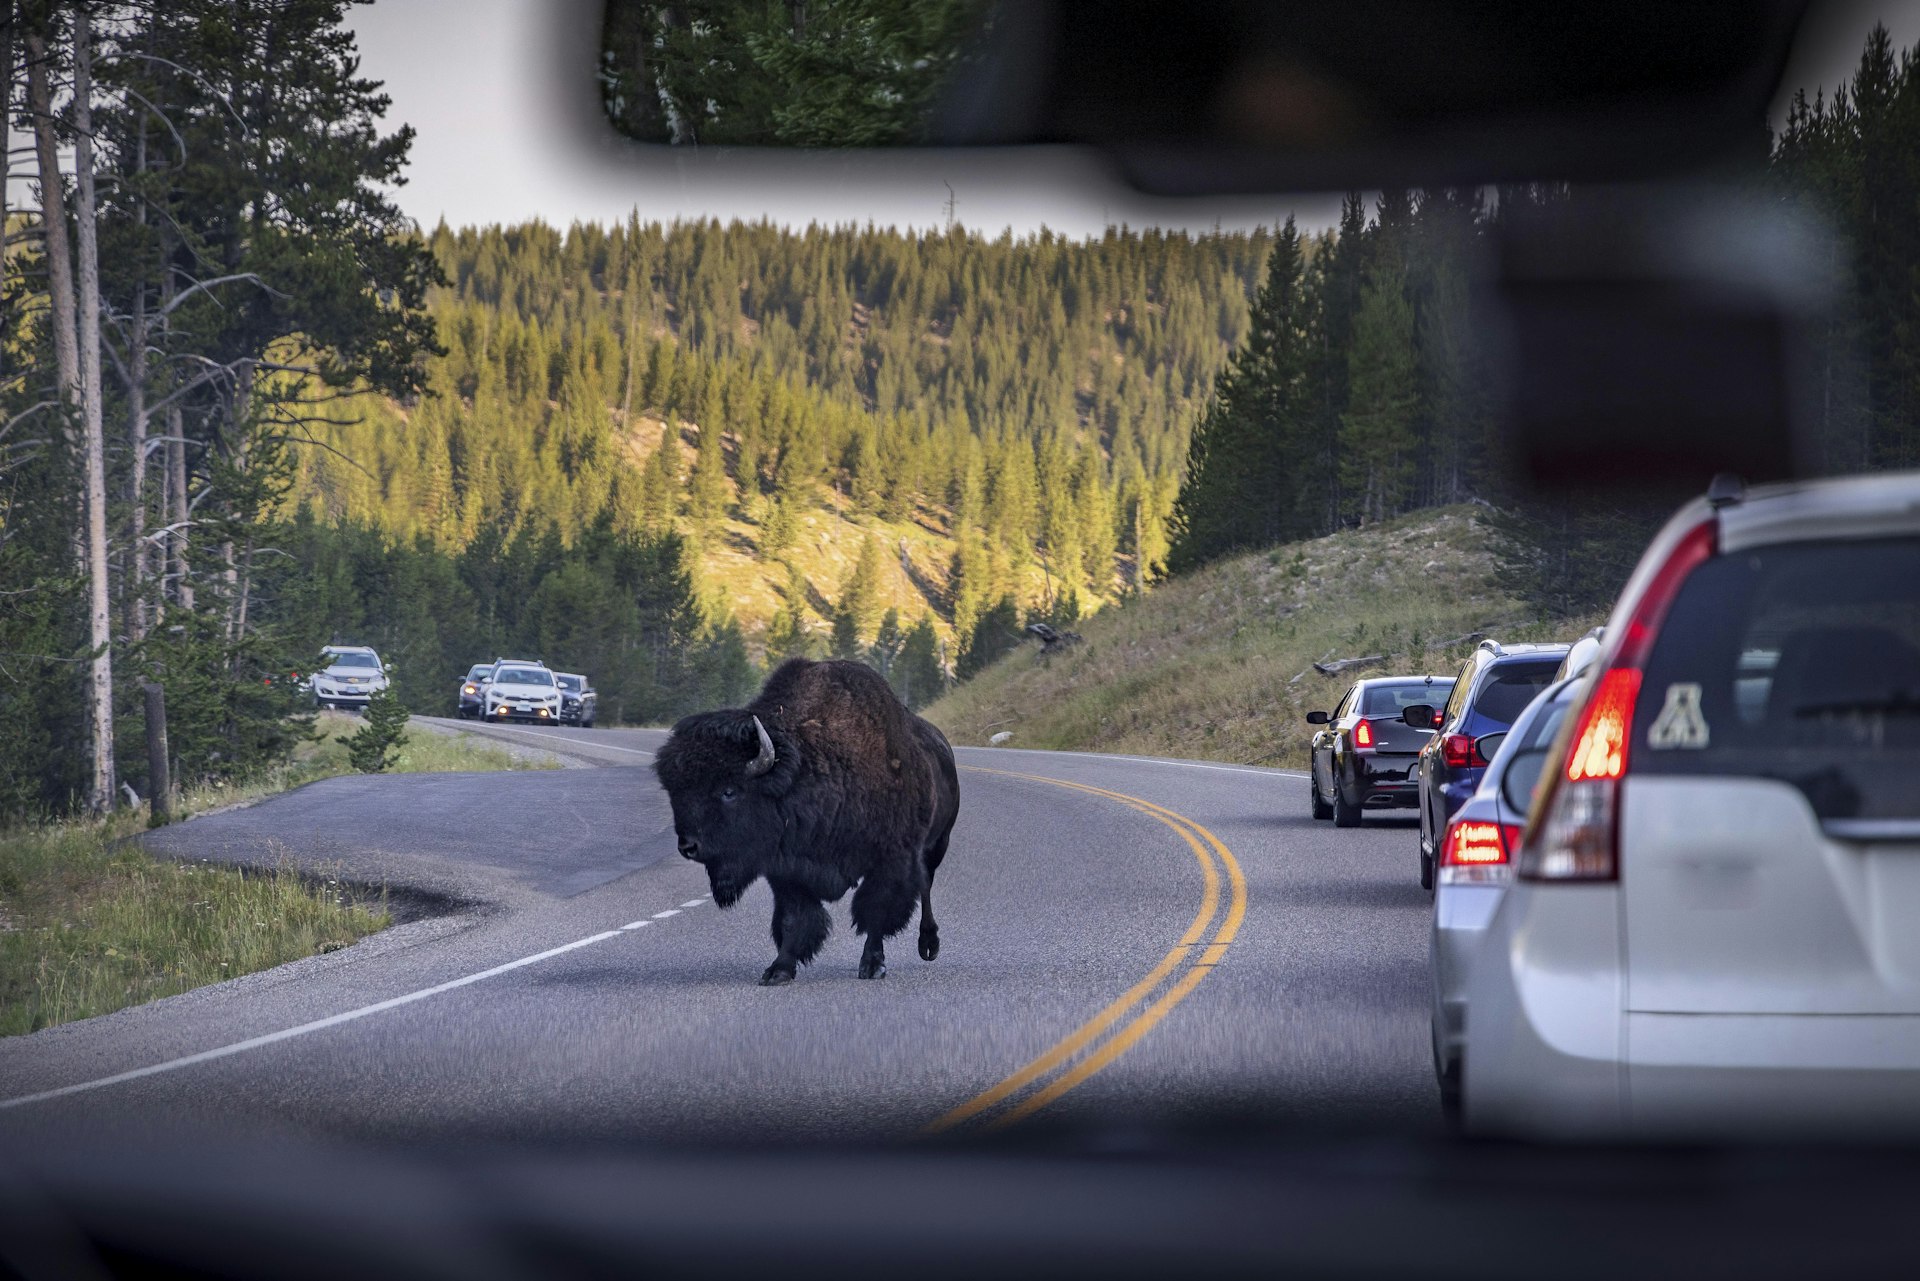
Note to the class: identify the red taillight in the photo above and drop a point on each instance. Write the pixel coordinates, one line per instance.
(1459, 752)
(1363, 733)
(1475, 850)
(1576, 834)
(1600, 742)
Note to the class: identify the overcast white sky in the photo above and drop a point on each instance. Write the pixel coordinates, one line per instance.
(500, 134)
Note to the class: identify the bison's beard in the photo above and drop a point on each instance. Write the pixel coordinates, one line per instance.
(727, 886)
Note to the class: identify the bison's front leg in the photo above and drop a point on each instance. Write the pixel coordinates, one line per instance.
(800, 926)
(882, 906)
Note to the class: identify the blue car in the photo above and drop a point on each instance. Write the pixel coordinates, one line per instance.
(1494, 686)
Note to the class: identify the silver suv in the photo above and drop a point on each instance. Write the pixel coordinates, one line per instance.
(1714, 925)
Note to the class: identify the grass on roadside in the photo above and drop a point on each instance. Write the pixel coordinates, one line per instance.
(422, 751)
(91, 923)
(1218, 664)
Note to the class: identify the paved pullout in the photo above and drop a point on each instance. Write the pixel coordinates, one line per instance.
(1198, 944)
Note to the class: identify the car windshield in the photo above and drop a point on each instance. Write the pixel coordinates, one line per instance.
(1391, 700)
(960, 534)
(1799, 663)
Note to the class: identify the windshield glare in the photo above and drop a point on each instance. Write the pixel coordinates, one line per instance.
(523, 676)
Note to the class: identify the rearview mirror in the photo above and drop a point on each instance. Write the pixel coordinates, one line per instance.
(1318, 718)
(1209, 98)
(1488, 744)
(1420, 716)
(1522, 775)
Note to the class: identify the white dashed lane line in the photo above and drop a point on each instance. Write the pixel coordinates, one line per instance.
(334, 1020)
(693, 902)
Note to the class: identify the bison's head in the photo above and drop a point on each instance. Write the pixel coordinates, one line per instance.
(724, 773)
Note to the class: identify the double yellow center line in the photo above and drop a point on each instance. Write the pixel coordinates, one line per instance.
(1098, 1042)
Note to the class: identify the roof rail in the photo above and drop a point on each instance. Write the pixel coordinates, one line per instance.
(1492, 646)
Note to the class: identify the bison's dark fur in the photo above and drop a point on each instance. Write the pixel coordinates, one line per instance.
(855, 790)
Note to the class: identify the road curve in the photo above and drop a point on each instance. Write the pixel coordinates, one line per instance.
(1125, 941)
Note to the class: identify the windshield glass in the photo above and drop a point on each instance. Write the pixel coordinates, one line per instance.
(959, 540)
(1798, 663)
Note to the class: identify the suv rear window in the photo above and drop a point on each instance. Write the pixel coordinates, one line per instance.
(1799, 663)
(1391, 700)
(1511, 686)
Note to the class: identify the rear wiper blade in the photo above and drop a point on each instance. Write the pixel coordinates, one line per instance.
(1900, 703)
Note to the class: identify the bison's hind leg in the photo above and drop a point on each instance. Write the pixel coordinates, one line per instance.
(930, 928)
(800, 928)
(882, 906)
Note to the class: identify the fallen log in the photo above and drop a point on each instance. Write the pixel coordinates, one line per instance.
(1339, 665)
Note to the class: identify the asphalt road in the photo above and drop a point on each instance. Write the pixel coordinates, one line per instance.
(1126, 942)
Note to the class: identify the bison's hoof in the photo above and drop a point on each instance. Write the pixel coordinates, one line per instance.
(775, 976)
(873, 969)
(929, 946)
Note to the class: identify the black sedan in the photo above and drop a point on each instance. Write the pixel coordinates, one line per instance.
(1364, 756)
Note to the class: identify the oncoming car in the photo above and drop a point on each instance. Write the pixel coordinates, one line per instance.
(468, 700)
(521, 692)
(1363, 757)
(578, 701)
(349, 675)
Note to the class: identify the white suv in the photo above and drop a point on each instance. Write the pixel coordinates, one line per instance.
(352, 674)
(520, 691)
(1714, 924)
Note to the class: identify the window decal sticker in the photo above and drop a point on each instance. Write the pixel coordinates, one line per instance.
(1680, 723)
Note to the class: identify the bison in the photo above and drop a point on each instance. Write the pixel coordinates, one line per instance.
(825, 781)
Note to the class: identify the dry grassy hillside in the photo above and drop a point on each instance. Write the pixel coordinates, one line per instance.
(740, 579)
(1219, 665)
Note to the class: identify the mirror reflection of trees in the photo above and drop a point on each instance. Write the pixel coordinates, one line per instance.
(796, 73)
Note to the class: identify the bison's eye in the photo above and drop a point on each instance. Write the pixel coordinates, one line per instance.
(729, 794)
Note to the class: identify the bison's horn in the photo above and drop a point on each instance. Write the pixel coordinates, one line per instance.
(764, 761)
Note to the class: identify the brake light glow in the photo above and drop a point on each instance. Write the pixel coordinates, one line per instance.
(1576, 832)
(1469, 843)
(1363, 733)
(1479, 852)
(1459, 752)
(1600, 745)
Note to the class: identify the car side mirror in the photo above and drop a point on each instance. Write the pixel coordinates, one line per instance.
(1318, 718)
(1488, 744)
(1521, 776)
(1420, 716)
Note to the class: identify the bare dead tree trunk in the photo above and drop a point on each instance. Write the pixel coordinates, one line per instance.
(6, 175)
(238, 408)
(99, 618)
(177, 506)
(137, 432)
(53, 220)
